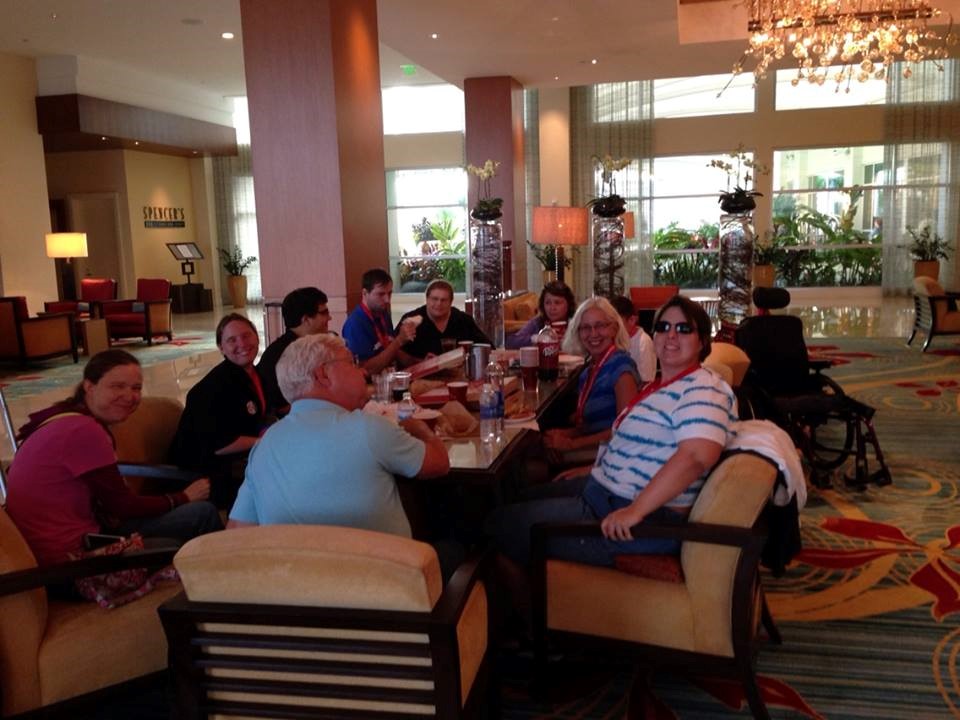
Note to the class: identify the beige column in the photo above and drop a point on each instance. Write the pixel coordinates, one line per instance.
(316, 129)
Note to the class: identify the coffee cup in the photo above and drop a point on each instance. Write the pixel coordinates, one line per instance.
(458, 391)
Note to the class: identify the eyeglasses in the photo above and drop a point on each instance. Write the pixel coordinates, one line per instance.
(682, 328)
(599, 327)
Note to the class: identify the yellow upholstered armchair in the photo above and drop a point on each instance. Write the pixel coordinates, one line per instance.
(703, 617)
(518, 309)
(55, 654)
(350, 623)
(935, 311)
(24, 338)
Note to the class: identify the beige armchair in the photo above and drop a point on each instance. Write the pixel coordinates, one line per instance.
(25, 339)
(54, 654)
(935, 311)
(517, 310)
(287, 618)
(703, 617)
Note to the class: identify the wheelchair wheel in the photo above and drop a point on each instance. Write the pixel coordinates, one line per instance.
(830, 440)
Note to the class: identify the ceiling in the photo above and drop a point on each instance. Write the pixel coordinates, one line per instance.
(541, 43)
(534, 41)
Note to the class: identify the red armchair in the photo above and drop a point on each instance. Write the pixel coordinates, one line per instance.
(148, 316)
(92, 292)
(24, 338)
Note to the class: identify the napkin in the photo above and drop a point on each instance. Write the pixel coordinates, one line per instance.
(456, 421)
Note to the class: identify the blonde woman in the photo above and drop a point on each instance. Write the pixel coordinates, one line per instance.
(608, 381)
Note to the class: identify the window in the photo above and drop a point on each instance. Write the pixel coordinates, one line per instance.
(674, 98)
(422, 109)
(427, 227)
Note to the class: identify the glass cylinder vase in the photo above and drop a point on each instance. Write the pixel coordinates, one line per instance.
(486, 255)
(607, 236)
(736, 268)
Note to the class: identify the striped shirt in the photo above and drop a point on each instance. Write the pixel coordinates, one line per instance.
(697, 406)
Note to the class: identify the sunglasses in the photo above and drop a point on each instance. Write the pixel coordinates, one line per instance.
(682, 328)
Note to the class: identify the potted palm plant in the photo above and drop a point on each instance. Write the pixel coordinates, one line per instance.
(235, 263)
(926, 248)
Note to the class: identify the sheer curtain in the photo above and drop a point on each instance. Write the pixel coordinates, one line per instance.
(235, 205)
(922, 126)
(531, 161)
(615, 118)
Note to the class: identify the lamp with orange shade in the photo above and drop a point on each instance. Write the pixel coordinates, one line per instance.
(558, 227)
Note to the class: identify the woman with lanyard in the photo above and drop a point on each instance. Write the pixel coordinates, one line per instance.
(224, 413)
(663, 445)
(607, 382)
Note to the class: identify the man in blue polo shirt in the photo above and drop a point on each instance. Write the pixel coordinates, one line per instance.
(368, 330)
(327, 462)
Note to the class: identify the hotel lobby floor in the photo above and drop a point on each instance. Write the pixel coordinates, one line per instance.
(172, 371)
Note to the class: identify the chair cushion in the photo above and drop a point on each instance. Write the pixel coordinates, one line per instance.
(153, 289)
(653, 567)
(311, 565)
(98, 289)
(521, 307)
(86, 648)
(731, 356)
(924, 285)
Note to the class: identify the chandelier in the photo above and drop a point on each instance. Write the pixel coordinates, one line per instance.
(843, 40)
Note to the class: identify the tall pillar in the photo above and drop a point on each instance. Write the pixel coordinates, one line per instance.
(316, 129)
(493, 108)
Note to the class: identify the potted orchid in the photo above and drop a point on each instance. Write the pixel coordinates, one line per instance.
(740, 169)
(609, 204)
(487, 208)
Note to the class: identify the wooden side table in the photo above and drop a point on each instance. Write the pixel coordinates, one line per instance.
(93, 335)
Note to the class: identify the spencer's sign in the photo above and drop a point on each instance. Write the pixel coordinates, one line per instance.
(155, 216)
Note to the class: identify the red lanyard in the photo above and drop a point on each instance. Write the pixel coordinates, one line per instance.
(257, 387)
(588, 385)
(649, 389)
(383, 338)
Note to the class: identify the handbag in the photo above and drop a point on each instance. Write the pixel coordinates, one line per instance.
(113, 589)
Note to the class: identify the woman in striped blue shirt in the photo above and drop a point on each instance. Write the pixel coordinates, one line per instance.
(663, 445)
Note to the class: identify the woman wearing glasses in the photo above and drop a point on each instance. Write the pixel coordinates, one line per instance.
(663, 445)
(608, 380)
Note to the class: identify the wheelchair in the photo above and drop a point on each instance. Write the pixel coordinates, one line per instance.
(785, 386)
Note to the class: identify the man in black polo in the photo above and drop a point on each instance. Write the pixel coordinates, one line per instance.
(304, 313)
(440, 321)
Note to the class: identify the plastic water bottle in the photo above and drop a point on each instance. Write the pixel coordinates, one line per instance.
(494, 377)
(488, 413)
(406, 408)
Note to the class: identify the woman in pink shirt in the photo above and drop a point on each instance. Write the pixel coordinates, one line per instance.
(64, 481)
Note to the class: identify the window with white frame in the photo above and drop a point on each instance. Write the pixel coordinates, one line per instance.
(427, 227)
(697, 96)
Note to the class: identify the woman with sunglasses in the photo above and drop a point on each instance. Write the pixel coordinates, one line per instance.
(663, 445)
(607, 382)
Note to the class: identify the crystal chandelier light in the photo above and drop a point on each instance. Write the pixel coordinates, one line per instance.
(863, 37)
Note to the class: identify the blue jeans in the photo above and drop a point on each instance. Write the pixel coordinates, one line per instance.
(182, 523)
(510, 526)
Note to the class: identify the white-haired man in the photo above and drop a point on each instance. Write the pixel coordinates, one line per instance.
(327, 462)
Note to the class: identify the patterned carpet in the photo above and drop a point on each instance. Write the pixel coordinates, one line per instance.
(870, 612)
(63, 372)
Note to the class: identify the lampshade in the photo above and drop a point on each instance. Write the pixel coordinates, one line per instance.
(66, 245)
(559, 225)
(629, 225)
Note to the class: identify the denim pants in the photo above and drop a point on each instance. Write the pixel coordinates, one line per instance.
(183, 523)
(510, 525)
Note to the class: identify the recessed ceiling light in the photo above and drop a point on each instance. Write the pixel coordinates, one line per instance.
(434, 36)
(227, 35)
(555, 19)
(136, 142)
(556, 77)
(593, 62)
(53, 16)
(103, 137)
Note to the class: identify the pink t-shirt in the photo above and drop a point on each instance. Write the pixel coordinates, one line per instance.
(45, 499)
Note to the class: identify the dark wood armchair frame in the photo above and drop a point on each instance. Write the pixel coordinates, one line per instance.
(745, 643)
(23, 580)
(925, 315)
(106, 307)
(189, 660)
